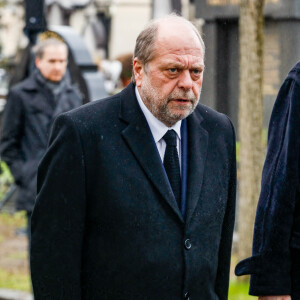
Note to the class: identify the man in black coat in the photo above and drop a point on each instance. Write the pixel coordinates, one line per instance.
(112, 220)
(275, 264)
(31, 108)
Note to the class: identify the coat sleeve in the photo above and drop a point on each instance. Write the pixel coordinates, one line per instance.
(222, 280)
(11, 135)
(270, 264)
(58, 218)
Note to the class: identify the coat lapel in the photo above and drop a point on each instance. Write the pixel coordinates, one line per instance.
(41, 99)
(197, 150)
(140, 140)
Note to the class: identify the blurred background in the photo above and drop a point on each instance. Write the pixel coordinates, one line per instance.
(101, 36)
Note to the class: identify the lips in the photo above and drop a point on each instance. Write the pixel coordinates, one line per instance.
(181, 101)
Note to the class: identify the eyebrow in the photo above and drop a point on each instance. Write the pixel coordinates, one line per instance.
(180, 65)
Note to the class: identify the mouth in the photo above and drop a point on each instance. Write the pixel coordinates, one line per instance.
(181, 101)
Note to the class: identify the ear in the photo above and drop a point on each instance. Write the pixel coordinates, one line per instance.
(37, 62)
(139, 71)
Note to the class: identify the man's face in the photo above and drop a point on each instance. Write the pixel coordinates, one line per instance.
(53, 64)
(170, 84)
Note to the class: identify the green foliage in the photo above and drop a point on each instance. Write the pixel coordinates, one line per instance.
(14, 281)
(16, 220)
(6, 179)
(12, 274)
(264, 137)
(17, 255)
(5, 62)
(6, 175)
(239, 291)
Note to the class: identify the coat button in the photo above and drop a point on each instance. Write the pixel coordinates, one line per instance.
(187, 244)
(187, 296)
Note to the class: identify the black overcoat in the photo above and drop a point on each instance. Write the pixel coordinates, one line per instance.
(27, 119)
(275, 264)
(106, 224)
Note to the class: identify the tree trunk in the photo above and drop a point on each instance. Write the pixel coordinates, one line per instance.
(251, 25)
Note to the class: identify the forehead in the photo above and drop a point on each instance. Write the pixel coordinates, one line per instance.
(55, 52)
(178, 42)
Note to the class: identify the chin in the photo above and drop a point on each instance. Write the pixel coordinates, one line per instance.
(56, 79)
(181, 114)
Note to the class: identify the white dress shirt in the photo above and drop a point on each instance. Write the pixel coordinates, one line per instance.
(159, 129)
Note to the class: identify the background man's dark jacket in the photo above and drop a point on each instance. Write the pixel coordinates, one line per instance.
(106, 224)
(28, 115)
(275, 264)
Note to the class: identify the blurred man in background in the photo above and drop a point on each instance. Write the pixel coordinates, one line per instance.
(31, 107)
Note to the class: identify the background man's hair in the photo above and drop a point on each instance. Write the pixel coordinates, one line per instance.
(126, 61)
(39, 48)
(145, 43)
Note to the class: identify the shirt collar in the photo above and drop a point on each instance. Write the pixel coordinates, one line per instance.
(158, 129)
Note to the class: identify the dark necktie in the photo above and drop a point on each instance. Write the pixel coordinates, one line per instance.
(171, 164)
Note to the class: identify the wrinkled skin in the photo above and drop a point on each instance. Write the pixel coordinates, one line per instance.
(170, 84)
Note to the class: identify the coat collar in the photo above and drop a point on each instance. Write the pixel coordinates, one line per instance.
(33, 85)
(139, 139)
(41, 99)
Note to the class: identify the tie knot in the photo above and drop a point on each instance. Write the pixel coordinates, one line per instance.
(170, 138)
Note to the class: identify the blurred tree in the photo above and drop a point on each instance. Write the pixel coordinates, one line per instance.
(251, 32)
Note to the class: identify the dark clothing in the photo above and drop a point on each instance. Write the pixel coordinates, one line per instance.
(28, 115)
(106, 224)
(277, 224)
(171, 164)
(295, 255)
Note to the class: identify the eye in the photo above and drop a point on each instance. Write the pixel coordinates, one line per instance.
(173, 70)
(197, 71)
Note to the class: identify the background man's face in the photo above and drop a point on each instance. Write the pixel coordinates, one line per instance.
(171, 83)
(53, 64)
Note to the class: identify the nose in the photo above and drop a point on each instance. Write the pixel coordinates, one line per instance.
(185, 80)
(57, 65)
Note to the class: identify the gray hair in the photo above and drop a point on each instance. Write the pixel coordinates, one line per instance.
(39, 48)
(145, 43)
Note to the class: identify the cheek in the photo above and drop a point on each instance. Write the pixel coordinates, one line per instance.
(47, 69)
(165, 86)
(63, 67)
(169, 88)
(197, 87)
